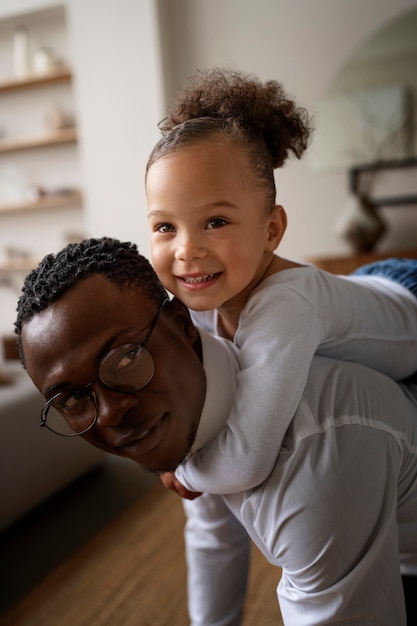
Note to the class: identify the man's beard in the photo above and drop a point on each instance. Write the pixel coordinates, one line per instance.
(183, 458)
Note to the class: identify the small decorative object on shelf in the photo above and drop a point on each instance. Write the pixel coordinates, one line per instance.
(21, 53)
(56, 118)
(45, 61)
(13, 184)
(360, 224)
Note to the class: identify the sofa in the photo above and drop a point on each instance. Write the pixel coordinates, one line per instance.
(34, 463)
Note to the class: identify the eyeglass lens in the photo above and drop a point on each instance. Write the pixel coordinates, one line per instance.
(125, 369)
(71, 413)
(128, 368)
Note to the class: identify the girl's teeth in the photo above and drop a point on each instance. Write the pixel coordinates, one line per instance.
(198, 279)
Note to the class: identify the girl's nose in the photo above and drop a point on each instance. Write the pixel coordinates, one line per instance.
(190, 248)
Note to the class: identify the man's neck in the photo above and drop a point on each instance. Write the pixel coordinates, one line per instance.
(221, 365)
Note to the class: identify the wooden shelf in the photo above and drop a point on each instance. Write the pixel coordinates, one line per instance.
(15, 84)
(52, 201)
(66, 135)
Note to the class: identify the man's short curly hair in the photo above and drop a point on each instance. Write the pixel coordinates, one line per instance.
(118, 261)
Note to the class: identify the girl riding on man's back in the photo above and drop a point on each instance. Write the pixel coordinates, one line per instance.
(215, 228)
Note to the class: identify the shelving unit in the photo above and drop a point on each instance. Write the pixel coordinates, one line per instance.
(32, 153)
(38, 147)
(59, 137)
(13, 84)
(62, 136)
(51, 201)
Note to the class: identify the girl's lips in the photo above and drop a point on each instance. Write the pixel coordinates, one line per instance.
(200, 281)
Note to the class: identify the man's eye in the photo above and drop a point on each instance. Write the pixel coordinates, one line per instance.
(71, 401)
(164, 228)
(127, 358)
(216, 222)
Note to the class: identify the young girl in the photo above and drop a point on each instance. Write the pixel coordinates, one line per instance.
(215, 226)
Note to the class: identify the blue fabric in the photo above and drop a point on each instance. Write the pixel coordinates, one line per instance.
(402, 271)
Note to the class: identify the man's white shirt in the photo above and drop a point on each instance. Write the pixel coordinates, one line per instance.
(343, 489)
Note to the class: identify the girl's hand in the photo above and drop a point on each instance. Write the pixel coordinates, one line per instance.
(171, 482)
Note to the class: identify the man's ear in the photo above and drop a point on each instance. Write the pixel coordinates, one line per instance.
(277, 225)
(180, 314)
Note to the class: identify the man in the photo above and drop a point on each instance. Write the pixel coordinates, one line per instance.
(124, 367)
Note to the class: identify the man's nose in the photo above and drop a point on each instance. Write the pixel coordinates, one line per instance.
(190, 247)
(112, 406)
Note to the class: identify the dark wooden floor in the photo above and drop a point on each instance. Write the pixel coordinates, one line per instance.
(37, 543)
(132, 572)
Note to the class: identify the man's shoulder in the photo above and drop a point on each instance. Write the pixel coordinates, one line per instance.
(218, 352)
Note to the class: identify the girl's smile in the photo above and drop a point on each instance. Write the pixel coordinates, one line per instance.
(199, 281)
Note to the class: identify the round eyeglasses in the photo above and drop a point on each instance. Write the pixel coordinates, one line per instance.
(126, 369)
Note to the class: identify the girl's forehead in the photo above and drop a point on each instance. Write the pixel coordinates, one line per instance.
(222, 157)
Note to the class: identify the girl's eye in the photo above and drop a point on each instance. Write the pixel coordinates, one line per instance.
(164, 228)
(216, 222)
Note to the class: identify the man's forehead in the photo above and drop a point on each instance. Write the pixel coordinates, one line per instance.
(94, 305)
(97, 295)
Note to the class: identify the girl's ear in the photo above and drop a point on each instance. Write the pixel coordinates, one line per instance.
(277, 225)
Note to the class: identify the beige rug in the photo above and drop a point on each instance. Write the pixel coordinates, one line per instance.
(133, 573)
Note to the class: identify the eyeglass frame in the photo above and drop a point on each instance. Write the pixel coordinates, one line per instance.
(90, 393)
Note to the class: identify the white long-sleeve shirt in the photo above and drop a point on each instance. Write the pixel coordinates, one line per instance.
(338, 512)
(291, 316)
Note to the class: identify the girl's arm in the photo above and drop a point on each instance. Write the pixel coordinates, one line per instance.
(281, 328)
(276, 345)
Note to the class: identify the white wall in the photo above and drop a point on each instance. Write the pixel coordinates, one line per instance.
(9, 8)
(118, 89)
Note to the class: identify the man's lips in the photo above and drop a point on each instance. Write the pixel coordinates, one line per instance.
(144, 439)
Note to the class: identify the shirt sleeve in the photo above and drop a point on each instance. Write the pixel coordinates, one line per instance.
(276, 345)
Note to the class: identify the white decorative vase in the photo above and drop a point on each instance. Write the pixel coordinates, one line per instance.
(360, 224)
(21, 53)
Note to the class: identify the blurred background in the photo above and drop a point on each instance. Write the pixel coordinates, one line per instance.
(83, 84)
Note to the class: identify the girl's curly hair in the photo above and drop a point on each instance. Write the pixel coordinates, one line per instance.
(257, 115)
